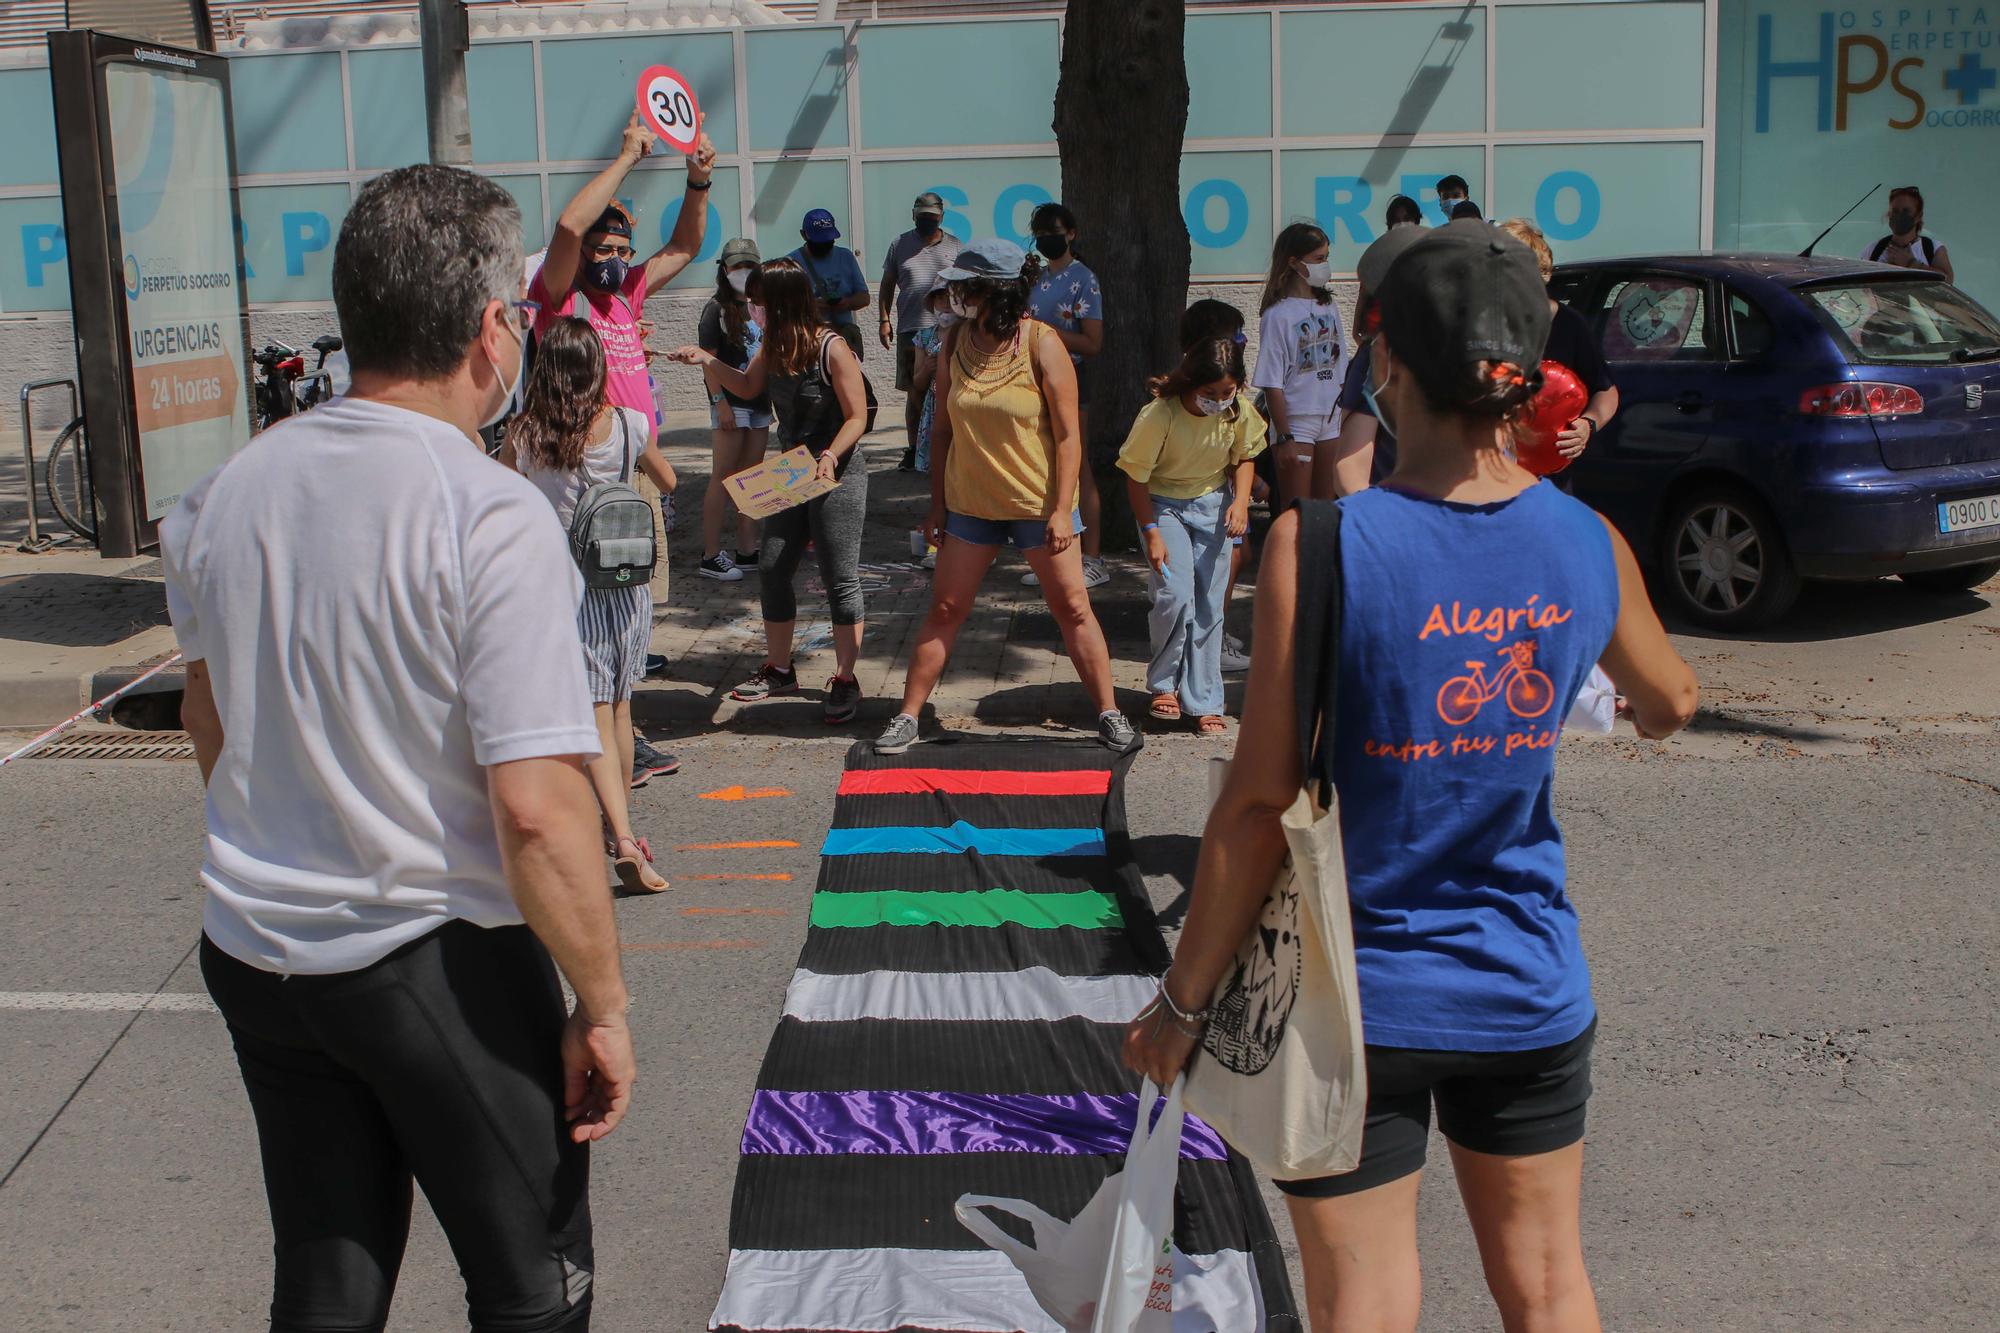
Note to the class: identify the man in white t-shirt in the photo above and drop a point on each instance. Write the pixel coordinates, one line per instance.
(387, 698)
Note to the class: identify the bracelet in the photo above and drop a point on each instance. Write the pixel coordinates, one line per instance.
(1150, 527)
(699, 185)
(1198, 1017)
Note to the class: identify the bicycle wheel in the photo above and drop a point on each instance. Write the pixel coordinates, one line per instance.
(68, 481)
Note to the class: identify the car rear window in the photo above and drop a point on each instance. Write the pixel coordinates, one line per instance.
(1906, 323)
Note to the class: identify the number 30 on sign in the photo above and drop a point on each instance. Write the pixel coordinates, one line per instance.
(667, 101)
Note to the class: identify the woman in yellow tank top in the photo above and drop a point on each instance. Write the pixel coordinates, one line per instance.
(1005, 456)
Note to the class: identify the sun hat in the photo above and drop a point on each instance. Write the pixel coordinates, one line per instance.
(991, 257)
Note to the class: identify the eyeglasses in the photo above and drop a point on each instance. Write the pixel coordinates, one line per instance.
(612, 252)
(525, 313)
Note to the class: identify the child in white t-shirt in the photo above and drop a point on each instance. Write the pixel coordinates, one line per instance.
(1301, 355)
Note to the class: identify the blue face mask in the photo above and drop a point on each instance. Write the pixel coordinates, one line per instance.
(1369, 390)
(606, 275)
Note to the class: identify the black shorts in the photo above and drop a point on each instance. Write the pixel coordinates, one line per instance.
(1507, 1103)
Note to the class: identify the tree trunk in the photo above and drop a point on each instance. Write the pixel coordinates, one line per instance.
(1120, 115)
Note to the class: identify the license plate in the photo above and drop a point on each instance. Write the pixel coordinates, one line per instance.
(1982, 511)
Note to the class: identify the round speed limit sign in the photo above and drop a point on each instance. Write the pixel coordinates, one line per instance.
(667, 102)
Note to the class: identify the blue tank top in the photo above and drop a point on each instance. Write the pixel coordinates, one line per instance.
(1466, 632)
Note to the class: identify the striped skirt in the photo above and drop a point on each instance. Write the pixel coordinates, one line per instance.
(616, 626)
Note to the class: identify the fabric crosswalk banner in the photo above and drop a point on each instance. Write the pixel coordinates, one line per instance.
(979, 936)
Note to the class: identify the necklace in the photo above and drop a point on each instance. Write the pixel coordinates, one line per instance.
(984, 373)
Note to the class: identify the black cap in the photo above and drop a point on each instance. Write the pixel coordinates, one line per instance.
(613, 221)
(1464, 293)
(1465, 208)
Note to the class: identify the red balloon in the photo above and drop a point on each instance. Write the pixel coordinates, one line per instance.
(1560, 400)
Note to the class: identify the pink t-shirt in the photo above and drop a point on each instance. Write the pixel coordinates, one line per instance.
(615, 316)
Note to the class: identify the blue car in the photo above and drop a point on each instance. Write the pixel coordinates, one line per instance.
(1786, 418)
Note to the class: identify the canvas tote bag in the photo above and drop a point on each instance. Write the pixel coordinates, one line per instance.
(1281, 1073)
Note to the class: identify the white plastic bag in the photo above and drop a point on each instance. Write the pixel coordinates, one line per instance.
(1596, 706)
(1138, 1294)
(1102, 1265)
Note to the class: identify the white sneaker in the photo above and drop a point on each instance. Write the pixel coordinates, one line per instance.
(1031, 580)
(1235, 657)
(1095, 573)
(720, 567)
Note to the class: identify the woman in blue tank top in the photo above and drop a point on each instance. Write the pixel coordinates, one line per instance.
(1475, 602)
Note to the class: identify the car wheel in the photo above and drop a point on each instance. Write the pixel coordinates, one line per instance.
(1963, 579)
(1724, 561)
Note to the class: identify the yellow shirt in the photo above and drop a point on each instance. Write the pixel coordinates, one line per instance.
(1003, 443)
(1174, 453)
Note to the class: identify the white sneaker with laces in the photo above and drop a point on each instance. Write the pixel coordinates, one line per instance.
(1095, 573)
(1235, 657)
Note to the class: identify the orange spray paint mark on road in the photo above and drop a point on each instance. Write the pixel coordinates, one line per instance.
(776, 875)
(740, 793)
(685, 946)
(734, 846)
(734, 911)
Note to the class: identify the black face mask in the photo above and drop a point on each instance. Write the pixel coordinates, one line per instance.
(1054, 245)
(926, 225)
(819, 249)
(1902, 221)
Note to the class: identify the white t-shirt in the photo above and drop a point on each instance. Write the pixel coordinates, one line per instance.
(1302, 353)
(384, 611)
(617, 452)
(1916, 248)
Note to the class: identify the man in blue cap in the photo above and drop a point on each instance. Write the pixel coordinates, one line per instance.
(836, 275)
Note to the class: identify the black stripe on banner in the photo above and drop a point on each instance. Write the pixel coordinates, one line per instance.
(1073, 1055)
(968, 872)
(937, 809)
(1025, 754)
(879, 1202)
(1067, 951)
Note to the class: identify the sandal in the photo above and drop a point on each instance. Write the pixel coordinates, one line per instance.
(1165, 707)
(1210, 725)
(635, 872)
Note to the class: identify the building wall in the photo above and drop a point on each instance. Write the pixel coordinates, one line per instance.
(1320, 113)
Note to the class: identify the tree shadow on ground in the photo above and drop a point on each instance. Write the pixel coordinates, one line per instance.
(1169, 856)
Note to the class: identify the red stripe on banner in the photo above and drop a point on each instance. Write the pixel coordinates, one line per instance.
(973, 782)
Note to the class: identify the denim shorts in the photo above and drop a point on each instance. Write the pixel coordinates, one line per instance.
(730, 416)
(1023, 534)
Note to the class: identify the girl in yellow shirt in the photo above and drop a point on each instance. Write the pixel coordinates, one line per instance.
(1188, 470)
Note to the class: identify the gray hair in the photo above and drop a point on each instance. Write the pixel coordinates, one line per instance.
(422, 252)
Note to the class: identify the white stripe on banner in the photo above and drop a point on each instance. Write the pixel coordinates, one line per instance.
(1034, 994)
(966, 1291)
(106, 1002)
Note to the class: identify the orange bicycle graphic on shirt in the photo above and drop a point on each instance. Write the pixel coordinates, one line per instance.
(1530, 693)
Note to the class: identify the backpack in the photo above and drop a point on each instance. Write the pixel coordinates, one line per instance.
(1930, 250)
(611, 532)
(829, 416)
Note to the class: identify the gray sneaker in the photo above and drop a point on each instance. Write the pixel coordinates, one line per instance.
(901, 734)
(1115, 732)
(843, 700)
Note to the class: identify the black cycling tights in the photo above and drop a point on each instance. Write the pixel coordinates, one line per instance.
(439, 1063)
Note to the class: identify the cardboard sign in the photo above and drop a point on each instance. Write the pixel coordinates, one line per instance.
(777, 484)
(668, 104)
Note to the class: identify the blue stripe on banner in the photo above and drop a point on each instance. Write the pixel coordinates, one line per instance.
(963, 837)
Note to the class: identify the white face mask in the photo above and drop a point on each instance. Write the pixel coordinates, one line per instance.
(512, 402)
(739, 278)
(1215, 407)
(1320, 274)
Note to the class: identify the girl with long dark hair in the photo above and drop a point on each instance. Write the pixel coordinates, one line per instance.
(1188, 469)
(742, 426)
(1474, 602)
(1301, 354)
(1004, 461)
(569, 437)
(820, 400)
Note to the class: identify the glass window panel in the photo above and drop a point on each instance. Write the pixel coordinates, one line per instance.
(589, 87)
(34, 258)
(29, 115)
(288, 235)
(1346, 190)
(389, 129)
(1381, 71)
(991, 196)
(655, 200)
(527, 192)
(958, 83)
(1596, 200)
(285, 113)
(1552, 73)
(786, 190)
(1226, 203)
(500, 85)
(798, 88)
(1223, 101)
(1656, 317)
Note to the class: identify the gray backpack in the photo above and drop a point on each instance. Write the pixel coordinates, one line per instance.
(611, 532)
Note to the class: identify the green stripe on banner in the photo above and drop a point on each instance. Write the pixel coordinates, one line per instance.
(990, 907)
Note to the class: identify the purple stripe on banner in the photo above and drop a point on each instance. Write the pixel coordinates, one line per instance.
(919, 1123)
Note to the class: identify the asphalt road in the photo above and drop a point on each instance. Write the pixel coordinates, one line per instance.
(1790, 914)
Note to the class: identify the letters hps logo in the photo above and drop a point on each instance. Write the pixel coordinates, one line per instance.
(1859, 50)
(131, 278)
